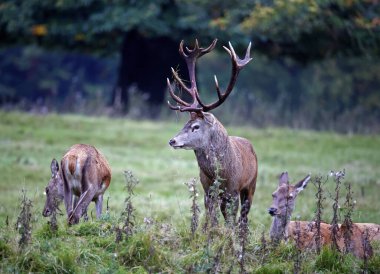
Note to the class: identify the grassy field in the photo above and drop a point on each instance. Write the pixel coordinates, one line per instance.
(28, 143)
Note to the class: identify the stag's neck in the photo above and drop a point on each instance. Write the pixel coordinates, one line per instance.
(217, 157)
(279, 228)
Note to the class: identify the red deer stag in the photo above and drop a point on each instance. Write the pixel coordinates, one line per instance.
(229, 159)
(84, 174)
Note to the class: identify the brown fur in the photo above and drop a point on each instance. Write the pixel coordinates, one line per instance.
(230, 159)
(282, 228)
(84, 174)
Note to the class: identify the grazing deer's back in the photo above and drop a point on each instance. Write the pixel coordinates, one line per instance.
(81, 157)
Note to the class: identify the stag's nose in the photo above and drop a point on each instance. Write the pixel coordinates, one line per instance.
(171, 142)
(272, 211)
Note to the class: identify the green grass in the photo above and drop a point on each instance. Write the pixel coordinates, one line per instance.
(28, 143)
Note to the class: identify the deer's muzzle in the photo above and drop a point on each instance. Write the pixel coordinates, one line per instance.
(272, 211)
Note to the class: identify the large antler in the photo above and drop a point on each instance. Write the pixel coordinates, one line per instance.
(191, 57)
(237, 65)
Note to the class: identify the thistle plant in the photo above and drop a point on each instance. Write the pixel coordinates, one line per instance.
(23, 224)
(338, 177)
(347, 223)
(128, 213)
(194, 205)
(320, 198)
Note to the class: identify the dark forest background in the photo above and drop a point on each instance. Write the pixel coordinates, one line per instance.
(316, 63)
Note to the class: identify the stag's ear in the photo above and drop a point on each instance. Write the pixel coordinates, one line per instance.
(301, 185)
(209, 118)
(54, 167)
(283, 179)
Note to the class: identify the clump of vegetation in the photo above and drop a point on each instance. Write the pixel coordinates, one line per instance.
(23, 224)
(349, 205)
(128, 215)
(335, 236)
(320, 198)
(194, 206)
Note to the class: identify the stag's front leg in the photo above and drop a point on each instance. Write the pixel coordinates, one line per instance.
(229, 206)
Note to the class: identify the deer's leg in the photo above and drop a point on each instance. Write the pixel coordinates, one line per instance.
(68, 199)
(229, 206)
(246, 201)
(99, 205)
(76, 199)
(81, 208)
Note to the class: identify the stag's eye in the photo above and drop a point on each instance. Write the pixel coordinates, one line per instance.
(194, 128)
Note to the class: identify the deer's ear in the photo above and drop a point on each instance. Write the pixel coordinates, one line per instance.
(209, 118)
(195, 115)
(54, 167)
(301, 185)
(283, 179)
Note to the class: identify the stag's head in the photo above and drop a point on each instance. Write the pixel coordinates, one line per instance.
(54, 190)
(285, 195)
(200, 128)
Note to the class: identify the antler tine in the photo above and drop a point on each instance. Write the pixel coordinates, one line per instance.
(190, 57)
(175, 97)
(237, 65)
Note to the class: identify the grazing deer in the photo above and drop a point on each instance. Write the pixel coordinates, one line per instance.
(282, 228)
(84, 174)
(229, 159)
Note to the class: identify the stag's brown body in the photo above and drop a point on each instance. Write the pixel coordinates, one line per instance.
(228, 159)
(233, 161)
(84, 175)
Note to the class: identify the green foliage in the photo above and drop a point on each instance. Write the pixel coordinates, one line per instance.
(5, 250)
(314, 29)
(304, 29)
(334, 261)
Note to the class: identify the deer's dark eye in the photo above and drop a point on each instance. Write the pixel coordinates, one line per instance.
(195, 127)
(46, 190)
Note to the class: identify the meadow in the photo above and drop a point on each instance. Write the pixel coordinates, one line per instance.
(161, 240)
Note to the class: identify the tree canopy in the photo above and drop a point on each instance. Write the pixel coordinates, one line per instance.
(305, 30)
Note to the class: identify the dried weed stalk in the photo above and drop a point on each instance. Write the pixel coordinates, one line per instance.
(23, 224)
(367, 250)
(338, 177)
(320, 198)
(347, 222)
(128, 213)
(297, 258)
(194, 206)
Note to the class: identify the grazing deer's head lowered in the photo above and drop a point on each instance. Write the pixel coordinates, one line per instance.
(54, 190)
(84, 176)
(228, 158)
